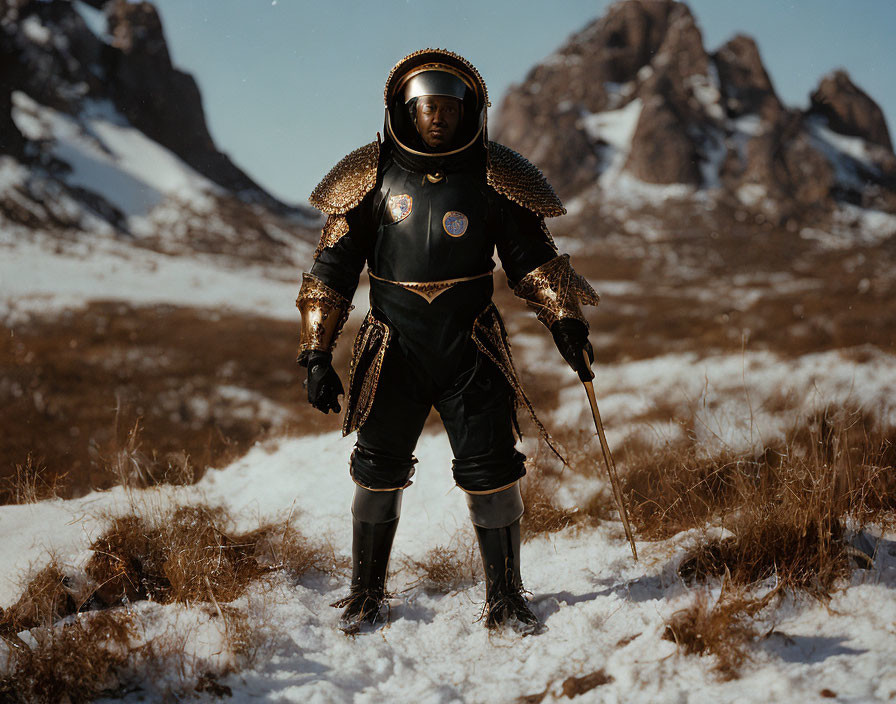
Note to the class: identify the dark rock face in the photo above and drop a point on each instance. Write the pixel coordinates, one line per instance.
(134, 71)
(161, 101)
(785, 162)
(640, 49)
(662, 151)
(746, 85)
(850, 110)
(11, 140)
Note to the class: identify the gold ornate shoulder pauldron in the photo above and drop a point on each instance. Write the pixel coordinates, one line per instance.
(554, 291)
(514, 177)
(324, 312)
(348, 182)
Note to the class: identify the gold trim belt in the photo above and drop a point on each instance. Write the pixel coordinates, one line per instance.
(429, 290)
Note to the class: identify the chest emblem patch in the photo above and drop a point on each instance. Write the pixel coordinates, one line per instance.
(455, 223)
(400, 207)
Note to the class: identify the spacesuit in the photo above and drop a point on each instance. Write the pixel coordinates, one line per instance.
(425, 208)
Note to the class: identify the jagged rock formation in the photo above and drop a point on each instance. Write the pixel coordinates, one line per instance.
(96, 120)
(849, 110)
(636, 94)
(746, 86)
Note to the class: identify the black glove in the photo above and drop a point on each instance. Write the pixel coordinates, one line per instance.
(324, 386)
(571, 338)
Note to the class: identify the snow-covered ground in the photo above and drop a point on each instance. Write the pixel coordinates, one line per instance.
(602, 611)
(34, 278)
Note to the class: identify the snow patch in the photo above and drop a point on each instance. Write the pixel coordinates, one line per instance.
(109, 157)
(751, 193)
(37, 280)
(35, 31)
(615, 127)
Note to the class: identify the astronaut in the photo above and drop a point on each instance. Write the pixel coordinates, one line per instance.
(425, 208)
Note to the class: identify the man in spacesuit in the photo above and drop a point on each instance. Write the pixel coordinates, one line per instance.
(425, 209)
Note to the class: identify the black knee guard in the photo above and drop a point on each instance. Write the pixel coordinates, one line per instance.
(376, 506)
(498, 509)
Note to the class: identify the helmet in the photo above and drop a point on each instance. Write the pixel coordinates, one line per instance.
(435, 72)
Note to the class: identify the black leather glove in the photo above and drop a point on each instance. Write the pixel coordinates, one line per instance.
(571, 338)
(324, 386)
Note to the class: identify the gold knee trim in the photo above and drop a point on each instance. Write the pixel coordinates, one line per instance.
(489, 491)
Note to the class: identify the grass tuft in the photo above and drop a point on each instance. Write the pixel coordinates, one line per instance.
(543, 514)
(77, 662)
(723, 629)
(447, 569)
(47, 597)
(192, 554)
(30, 483)
(65, 636)
(784, 510)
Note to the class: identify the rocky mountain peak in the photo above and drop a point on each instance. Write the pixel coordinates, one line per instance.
(849, 110)
(135, 27)
(635, 94)
(106, 135)
(747, 86)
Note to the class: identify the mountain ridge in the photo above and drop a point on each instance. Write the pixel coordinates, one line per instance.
(118, 133)
(708, 120)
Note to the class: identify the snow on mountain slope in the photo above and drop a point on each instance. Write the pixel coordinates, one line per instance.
(108, 156)
(105, 139)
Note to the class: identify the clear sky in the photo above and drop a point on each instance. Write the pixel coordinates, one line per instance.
(291, 86)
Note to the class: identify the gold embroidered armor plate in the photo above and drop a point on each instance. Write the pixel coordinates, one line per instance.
(430, 290)
(324, 312)
(554, 291)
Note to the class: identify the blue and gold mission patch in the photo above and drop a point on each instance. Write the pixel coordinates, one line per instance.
(455, 223)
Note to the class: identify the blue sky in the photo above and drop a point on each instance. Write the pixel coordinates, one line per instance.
(291, 86)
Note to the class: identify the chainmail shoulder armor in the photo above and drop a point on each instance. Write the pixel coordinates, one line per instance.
(348, 182)
(513, 176)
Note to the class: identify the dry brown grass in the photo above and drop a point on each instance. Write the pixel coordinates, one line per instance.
(444, 570)
(30, 483)
(193, 555)
(48, 596)
(572, 687)
(543, 514)
(785, 508)
(78, 661)
(74, 385)
(723, 629)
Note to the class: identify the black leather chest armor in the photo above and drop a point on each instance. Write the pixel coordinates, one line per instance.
(431, 228)
(427, 230)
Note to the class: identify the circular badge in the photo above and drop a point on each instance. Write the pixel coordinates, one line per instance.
(455, 223)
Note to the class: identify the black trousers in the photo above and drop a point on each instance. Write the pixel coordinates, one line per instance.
(476, 408)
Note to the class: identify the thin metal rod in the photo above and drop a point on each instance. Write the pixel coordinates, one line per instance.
(608, 460)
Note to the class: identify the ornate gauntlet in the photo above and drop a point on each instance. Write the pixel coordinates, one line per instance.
(555, 291)
(324, 312)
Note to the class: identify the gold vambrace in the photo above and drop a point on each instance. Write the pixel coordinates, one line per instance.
(555, 291)
(324, 312)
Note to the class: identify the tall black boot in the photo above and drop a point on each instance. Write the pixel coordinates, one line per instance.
(496, 518)
(374, 521)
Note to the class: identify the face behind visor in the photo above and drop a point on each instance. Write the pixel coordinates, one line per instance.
(416, 81)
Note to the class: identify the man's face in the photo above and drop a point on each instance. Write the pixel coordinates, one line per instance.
(437, 119)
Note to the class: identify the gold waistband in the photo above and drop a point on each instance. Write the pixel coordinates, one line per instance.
(429, 290)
